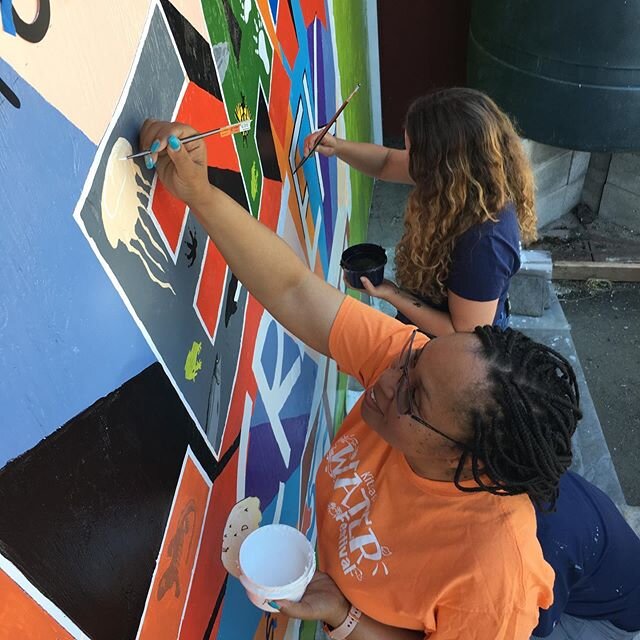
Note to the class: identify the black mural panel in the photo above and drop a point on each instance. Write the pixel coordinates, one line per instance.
(195, 51)
(7, 92)
(235, 34)
(264, 140)
(83, 513)
(230, 182)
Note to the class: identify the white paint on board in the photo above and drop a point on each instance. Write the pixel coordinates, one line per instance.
(122, 191)
(243, 448)
(275, 396)
(277, 513)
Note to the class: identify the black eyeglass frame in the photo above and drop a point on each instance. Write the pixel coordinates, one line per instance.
(404, 362)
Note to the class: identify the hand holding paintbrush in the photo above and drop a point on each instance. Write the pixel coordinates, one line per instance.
(237, 127)
(181, 166)
(319, 139)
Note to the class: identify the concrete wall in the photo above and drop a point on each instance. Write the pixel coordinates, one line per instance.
(608, 183)
(559, 176)
(620, 202)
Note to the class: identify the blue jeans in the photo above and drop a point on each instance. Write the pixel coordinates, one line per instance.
(571, 628)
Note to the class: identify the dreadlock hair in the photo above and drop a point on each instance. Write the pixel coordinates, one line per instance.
(522, 439)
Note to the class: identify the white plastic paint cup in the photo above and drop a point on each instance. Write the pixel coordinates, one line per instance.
(277, 562)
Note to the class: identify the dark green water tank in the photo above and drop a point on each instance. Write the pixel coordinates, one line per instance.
(568, 71)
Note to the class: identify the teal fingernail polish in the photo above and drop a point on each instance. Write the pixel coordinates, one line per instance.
(174, 143)
(148, 162)
(273, 604)
(155, 146)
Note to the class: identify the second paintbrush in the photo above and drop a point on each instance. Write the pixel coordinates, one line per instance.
(326, 128)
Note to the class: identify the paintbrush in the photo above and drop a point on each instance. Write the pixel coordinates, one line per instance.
(237, 127)
(326, 128)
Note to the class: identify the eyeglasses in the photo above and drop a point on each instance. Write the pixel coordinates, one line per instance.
(404, 393)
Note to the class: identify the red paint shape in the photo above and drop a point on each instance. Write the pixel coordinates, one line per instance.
(270, 204)
(203, 112)
(311, 9)
(286, 33)
(279, 99)
(209, 574)
(170, 214)
(168, 593)
(216, 627)
(211, 287)
(22, 617)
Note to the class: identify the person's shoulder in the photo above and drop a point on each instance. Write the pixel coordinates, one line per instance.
(505, 562)
(505, 223)
(503, 226)
(509, 531)
(501, 521)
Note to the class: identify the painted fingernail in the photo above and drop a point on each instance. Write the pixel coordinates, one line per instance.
(148, 162)
(274, 605)
(174, 143)
(155, 146)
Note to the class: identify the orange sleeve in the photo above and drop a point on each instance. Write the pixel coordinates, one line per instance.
(364, 341)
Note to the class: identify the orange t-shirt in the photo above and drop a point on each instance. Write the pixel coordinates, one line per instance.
(411, 552)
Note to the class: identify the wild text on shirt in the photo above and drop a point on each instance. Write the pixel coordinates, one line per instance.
(358, 547)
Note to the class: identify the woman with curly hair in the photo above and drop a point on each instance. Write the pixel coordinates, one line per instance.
(471, 207)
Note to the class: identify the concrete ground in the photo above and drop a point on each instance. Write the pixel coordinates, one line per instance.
(599, 332)
(605, 325)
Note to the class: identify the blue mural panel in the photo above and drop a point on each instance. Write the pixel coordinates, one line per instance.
(66, 338)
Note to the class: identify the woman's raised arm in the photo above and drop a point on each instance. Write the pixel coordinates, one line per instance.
(301, 301)
(383, 163)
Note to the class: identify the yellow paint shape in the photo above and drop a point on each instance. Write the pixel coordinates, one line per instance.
(120, 207)
(193, 364)
(82, 63)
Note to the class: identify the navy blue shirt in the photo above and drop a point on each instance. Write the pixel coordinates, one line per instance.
(484, 260)
(595, 555)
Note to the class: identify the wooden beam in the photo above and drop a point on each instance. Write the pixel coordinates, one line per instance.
(582, 270)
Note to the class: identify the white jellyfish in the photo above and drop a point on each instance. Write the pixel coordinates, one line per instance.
(120, 203)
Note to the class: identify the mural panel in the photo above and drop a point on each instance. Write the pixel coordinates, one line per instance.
(134, 491)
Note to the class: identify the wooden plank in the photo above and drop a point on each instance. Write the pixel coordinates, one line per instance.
(582, 270)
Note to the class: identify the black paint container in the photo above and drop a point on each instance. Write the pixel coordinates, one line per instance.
(364, 260)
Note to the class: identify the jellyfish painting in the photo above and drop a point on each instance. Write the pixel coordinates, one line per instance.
(122, 207)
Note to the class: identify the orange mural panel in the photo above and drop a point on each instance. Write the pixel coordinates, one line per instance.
(22, 617)
(286, 33)
(174, 570)
(209, 575)
(311, 9)
(211, 287)
(279, 100)
(203, 112)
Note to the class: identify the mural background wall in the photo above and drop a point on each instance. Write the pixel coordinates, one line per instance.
(143, 391)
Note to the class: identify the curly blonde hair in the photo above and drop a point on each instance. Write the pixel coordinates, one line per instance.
(467, 163)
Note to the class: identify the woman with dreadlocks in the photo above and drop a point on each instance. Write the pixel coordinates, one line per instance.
(471, 205)
(424, 502)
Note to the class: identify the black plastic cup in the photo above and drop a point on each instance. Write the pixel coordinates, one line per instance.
(364, 260)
